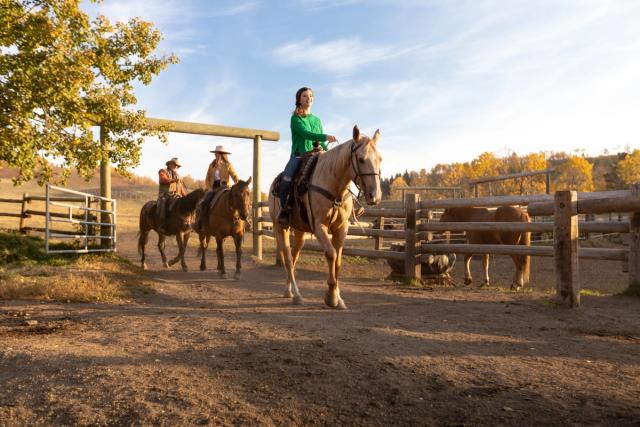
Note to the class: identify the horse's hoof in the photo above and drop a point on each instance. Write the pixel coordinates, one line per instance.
(185, 269)
(223, 275)
(341, 305)
(485, 283)
(203, 267)
(467, 281)
(331, 300)
(165, 264)
(515, 287)
(173, 261)
(288, 294)
(144, 266)
(237, 276)
(297, 300)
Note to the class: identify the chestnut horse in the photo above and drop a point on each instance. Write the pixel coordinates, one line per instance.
(177, 223)
(501, 214)
(226, 218)
(329, 206)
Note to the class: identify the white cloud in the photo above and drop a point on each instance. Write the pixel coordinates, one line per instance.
(340, 56)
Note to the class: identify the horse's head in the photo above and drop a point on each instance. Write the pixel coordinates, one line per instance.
(365, 161)
(241, 198)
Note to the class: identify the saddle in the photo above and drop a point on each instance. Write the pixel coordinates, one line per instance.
(300, 186)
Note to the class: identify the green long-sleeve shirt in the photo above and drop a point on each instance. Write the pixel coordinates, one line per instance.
(304, 132)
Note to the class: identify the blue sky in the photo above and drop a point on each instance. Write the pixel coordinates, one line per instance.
(444, 80)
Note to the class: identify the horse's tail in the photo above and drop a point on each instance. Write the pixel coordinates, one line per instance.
(526, 259)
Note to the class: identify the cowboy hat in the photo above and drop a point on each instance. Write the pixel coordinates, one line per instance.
(220, 149)
(174, 161)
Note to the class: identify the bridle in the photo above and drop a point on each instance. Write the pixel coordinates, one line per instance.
(355, 146)
(235, 189)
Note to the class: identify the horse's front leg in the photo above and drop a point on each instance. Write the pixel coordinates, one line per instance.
(161, 246)
(204, 243)
(518, 276)
(220, 254)
(331, 298)
(178, 256)
(182, 239)
(337, 239)
(485, 265)
(237, 239)
(284, 252)
(467, 269)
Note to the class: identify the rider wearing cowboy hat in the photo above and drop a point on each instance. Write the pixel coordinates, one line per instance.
(169, 186)
(218, 174)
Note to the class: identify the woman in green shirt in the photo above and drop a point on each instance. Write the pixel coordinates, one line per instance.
(306, 129)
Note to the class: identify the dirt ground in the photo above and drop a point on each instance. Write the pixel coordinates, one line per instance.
(208, 351)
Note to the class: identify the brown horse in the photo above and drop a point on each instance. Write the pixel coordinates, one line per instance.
(502, 214)
(177, 223)
(329, 206)
(226, 218)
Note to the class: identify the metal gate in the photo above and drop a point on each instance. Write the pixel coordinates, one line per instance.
(81, 215)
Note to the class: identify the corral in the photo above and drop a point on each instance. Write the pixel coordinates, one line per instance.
(203, 350)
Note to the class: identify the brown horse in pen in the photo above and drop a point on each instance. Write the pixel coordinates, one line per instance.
(226, 216)
(178, 223)
(501, 214)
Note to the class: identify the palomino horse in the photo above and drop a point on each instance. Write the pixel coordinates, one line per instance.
(329, 206)
(177, 223)
(502, 214)
(226, 218)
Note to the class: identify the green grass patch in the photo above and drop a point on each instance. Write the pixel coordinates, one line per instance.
(590, 293)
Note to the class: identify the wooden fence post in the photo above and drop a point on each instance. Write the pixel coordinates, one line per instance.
(379, 239)
(634, 245)
(565, 245)
(257, 210)
(23, 216)
(412, 268)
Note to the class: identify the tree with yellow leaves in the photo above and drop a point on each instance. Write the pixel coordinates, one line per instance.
(629, 168)
(397, 183)
(575, 174)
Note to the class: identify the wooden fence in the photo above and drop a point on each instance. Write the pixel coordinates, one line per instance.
(26, 213)
(563, 206)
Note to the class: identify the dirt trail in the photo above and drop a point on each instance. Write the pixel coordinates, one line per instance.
(209, 351)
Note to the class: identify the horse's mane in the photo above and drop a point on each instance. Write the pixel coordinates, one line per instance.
(187, 204)
(337, 158)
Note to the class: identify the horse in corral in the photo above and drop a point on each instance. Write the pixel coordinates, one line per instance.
(178, 223)
(328, 206)
(226, 216)
(501, 214)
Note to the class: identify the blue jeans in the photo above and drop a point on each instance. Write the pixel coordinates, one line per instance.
(285, 185)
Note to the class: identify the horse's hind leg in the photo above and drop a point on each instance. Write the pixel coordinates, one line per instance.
(181, 240)
(237, 239)
(467, 269)
(161, 246)
(284, 251)
(220, 254)
(485, 265)
(204, 243)
(332, 296)
(142, 242)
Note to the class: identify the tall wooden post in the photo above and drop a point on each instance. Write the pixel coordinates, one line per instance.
(548, 183)
(379, 240)
(105, 191)
(565, 245)
(257, 210)
(634, 245)
(23, 216)
(412, 268)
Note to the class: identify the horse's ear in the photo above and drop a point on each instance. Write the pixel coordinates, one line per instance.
(376, 137)
(249, 181)
(356, 133)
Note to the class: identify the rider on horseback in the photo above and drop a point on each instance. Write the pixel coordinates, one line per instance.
(169, 186)
(218, 174)
(306, 131)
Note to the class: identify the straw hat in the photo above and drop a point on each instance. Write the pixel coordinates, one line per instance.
(175, 161)
(220, 149)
